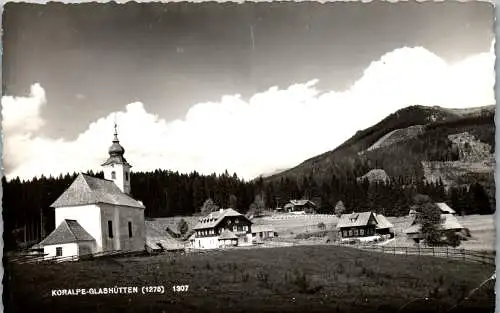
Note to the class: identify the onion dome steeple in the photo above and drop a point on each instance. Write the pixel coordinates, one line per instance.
(116, 152)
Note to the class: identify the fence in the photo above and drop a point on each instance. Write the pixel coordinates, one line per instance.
(300, 216)
(41, 258)
(444, 252)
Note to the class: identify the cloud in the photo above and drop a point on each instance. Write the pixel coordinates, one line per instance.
(278, 128)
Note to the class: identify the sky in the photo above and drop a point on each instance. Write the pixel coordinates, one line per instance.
(251, 88)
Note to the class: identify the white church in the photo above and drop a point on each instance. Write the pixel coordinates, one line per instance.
(98, 215)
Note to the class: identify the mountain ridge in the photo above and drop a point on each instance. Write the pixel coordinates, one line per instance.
(433, 122)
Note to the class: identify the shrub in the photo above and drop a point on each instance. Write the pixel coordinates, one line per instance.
(301, 281)
(453, 239)
(245, 277)
(182, 227)
(262, 276)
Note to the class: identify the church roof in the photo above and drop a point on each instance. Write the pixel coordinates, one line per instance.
(69, 231)
(87, 190)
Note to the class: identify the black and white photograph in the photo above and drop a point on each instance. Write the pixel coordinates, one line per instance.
(249, 157)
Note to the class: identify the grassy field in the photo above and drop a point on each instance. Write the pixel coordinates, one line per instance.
(482, 228)
(293, 279)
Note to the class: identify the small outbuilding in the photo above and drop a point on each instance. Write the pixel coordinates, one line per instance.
(263, 231)
(68, 239)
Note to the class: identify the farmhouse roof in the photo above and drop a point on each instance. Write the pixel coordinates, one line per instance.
(354, 219)
(87, 190)
(69, 231)
(214, 218)
(262, 228)
(156, 238)
(301, 202)
(227, 235)
(382, 222)
(450, 222)
(413, 229)
(445, 208)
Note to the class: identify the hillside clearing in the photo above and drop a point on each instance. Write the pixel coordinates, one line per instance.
(294, 279)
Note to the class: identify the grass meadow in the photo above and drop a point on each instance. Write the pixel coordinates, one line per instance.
(292, 279)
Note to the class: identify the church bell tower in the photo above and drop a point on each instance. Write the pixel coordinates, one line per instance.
(116, 167)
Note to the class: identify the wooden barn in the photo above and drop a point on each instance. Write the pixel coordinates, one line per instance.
(305, 206)
(363, 225)
(263, 232)
(449, 223)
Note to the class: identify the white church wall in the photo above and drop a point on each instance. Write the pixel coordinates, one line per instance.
(88, 216)
(120, 216)
(68, 249)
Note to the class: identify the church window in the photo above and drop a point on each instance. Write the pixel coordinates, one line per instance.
(126, 175)
(130, 229)
(113, 175)
(110, 229)
(59, 251)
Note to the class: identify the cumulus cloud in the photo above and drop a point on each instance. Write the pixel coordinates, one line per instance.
(275, 129)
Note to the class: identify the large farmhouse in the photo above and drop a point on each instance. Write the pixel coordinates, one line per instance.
(221, 229)
(98, 215)
(363, 226)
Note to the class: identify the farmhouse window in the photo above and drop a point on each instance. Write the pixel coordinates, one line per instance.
(355, 232)
(345, 233)
(59, 251)
(113, 175)
(110, 229)
(350, 232)
(126, 175)
(361, 232)
(130, 229)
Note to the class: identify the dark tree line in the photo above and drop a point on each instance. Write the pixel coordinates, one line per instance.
(167, 193)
